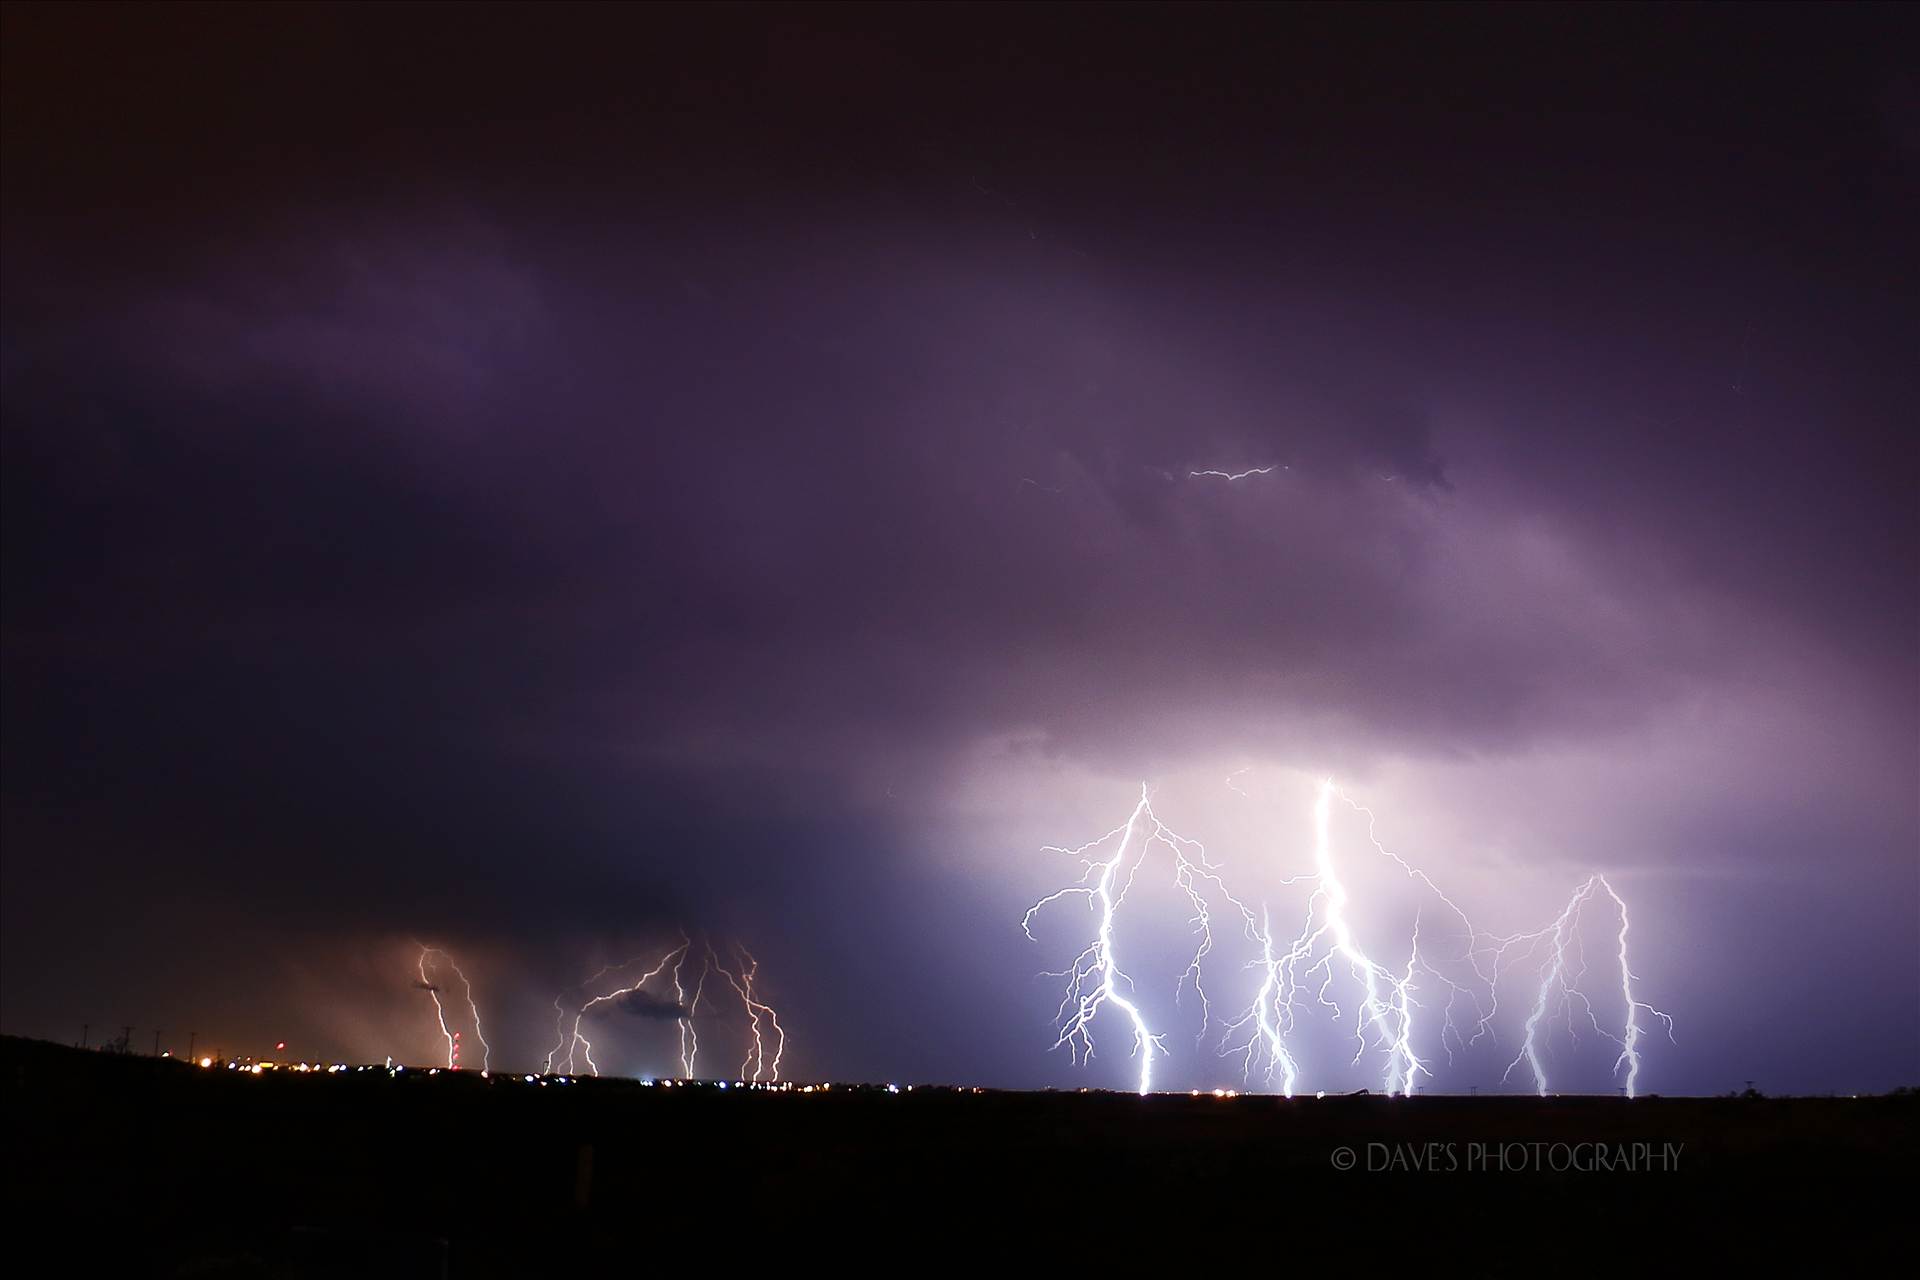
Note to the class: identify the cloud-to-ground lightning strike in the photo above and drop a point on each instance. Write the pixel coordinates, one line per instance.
(1563, 970)
(689, 1036)
(742, 983)
(1385, 1012)
(432, 988)
(1270, 1015)
(1327, 953)
(763, 1023)
(576, 1041)
(1095, 977)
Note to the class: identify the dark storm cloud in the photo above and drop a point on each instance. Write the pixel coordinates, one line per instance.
(534, 488)
(641, 1004)
(805, 493)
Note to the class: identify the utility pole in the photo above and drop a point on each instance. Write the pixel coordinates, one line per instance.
(126, 1039)
(84, 1028)
(156, 1042)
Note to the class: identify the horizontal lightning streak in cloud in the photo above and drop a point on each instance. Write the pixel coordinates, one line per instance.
(1235, 475)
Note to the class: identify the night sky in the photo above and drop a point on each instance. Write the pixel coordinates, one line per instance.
(532, 480)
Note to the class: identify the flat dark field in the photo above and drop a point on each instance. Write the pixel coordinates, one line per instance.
(167, 1169)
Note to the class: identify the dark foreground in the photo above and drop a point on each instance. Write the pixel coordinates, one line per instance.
(133, 1165)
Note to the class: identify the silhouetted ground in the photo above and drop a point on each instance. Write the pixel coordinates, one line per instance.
(162, 1168)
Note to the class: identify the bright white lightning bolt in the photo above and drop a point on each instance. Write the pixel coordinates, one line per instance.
(1095, 977)
(1232, 475)
(1470, 954)
(1563, 970)
(440, 1011)
(1391, 1019)
(1383, 1019)
(1629, 1043)
(1270, 1015)
(1328, 947)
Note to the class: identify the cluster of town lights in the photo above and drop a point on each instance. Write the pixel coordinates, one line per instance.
(393, 1069)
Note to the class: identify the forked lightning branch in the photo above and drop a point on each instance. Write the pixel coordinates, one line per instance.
(1435, 996)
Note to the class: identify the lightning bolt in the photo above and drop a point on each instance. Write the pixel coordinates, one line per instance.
(1233, 475)
(440, 1011)
(1470, 953)
(575, 1041)
(766, 1038)
(1094, 978)
(689, 1037)
(1559, 991)
(1385, 1013)
(1387, 999)
(1271, 1016)
(1629, 1043)
(1453, 973)
(755, 1065)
